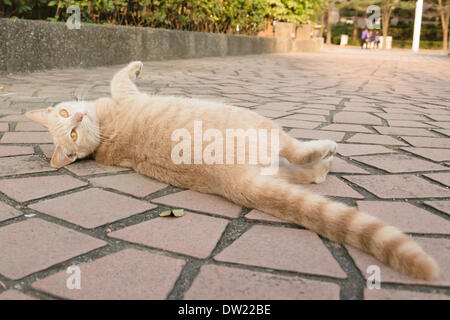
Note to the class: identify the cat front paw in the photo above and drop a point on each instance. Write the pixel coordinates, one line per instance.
(134, 69)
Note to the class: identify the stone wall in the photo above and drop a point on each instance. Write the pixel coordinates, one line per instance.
(28, 45)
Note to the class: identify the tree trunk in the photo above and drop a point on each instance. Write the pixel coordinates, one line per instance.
(322, 22)
(386, 15)
(329, 20)
(355, 28)
(445, 17)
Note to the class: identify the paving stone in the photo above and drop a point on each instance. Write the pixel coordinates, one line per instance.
(429, 153)
(360, 109)
(26, 137)
(439, 249)
(408, 124)
(314, 111)
(283, 249)
(259, 215)
(33, 245)
(404, 131)
(92, 207)
(224, 283)
(439, 117)
(318, 106)
(47, 150)
(12, 294)
(89, 167)
(443, 131)
(193, 234)
(25, 189)
(406, 216)
(7, 212)
(6, 151)
(346, 128)
(356, 117)
(387, 294)
(316, 134)
(296, 123)
(342, 166)
(280, 106)
(270, 113)
(197, 201)
(445, 125)
(29, 126)
(396, 163)
(23, 164)
(132, 183)
(442, 177)
(306, 117)
(443, 205)
(428, 142)
(401, 116)
(125, 275)
(4, 126)
(375, 139)
(14, 118)
(334, 187)
(348, 149)
(398, 186)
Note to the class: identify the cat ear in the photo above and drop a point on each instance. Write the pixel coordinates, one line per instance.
(59, 158)
(40, 116)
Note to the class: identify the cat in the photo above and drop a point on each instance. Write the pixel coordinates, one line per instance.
(135, 130)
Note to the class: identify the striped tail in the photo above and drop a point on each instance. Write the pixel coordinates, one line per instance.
(337, 222)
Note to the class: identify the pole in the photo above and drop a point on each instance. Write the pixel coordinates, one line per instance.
(417, 25)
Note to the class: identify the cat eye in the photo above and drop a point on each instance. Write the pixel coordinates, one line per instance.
(63, 113)
(74, 135)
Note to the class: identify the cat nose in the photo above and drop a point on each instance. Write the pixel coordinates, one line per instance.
(79, 116)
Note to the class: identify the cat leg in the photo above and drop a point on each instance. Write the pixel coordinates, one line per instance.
(310, 173)
(122, 85)
(301, 153)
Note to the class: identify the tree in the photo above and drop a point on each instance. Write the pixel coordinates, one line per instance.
(443, 8)
(387, 8)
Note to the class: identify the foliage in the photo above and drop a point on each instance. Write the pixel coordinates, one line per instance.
(250, 16)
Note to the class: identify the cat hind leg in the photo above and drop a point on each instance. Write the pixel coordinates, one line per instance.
(310, 173)
(301, 153)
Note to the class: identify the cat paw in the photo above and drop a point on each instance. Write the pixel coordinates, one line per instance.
(330, 148)
(321, 170)
(134, 69)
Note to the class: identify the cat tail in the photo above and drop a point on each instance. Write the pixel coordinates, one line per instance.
(337, 222)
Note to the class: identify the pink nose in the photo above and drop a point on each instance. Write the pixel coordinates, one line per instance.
(79, 116)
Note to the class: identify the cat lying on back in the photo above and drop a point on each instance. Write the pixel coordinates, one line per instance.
(134, 130)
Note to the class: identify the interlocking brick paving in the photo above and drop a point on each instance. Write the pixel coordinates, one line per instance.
(127, 274)
(389, 111)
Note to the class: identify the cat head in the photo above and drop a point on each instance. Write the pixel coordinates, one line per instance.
(74, 127)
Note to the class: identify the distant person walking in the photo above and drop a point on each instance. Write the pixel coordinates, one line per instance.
(365, 38)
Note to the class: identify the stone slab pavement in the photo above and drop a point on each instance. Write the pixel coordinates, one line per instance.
(389, 112)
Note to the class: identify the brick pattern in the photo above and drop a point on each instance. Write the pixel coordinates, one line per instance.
(393, 162)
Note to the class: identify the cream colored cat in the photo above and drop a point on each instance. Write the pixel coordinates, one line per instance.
(134, 130)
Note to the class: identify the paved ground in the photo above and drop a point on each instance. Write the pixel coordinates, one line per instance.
(390, 113)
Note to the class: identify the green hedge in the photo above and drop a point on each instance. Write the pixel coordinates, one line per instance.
(423, 44)
(194, 15)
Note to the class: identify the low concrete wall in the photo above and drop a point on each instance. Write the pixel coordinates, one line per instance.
(28, 45)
